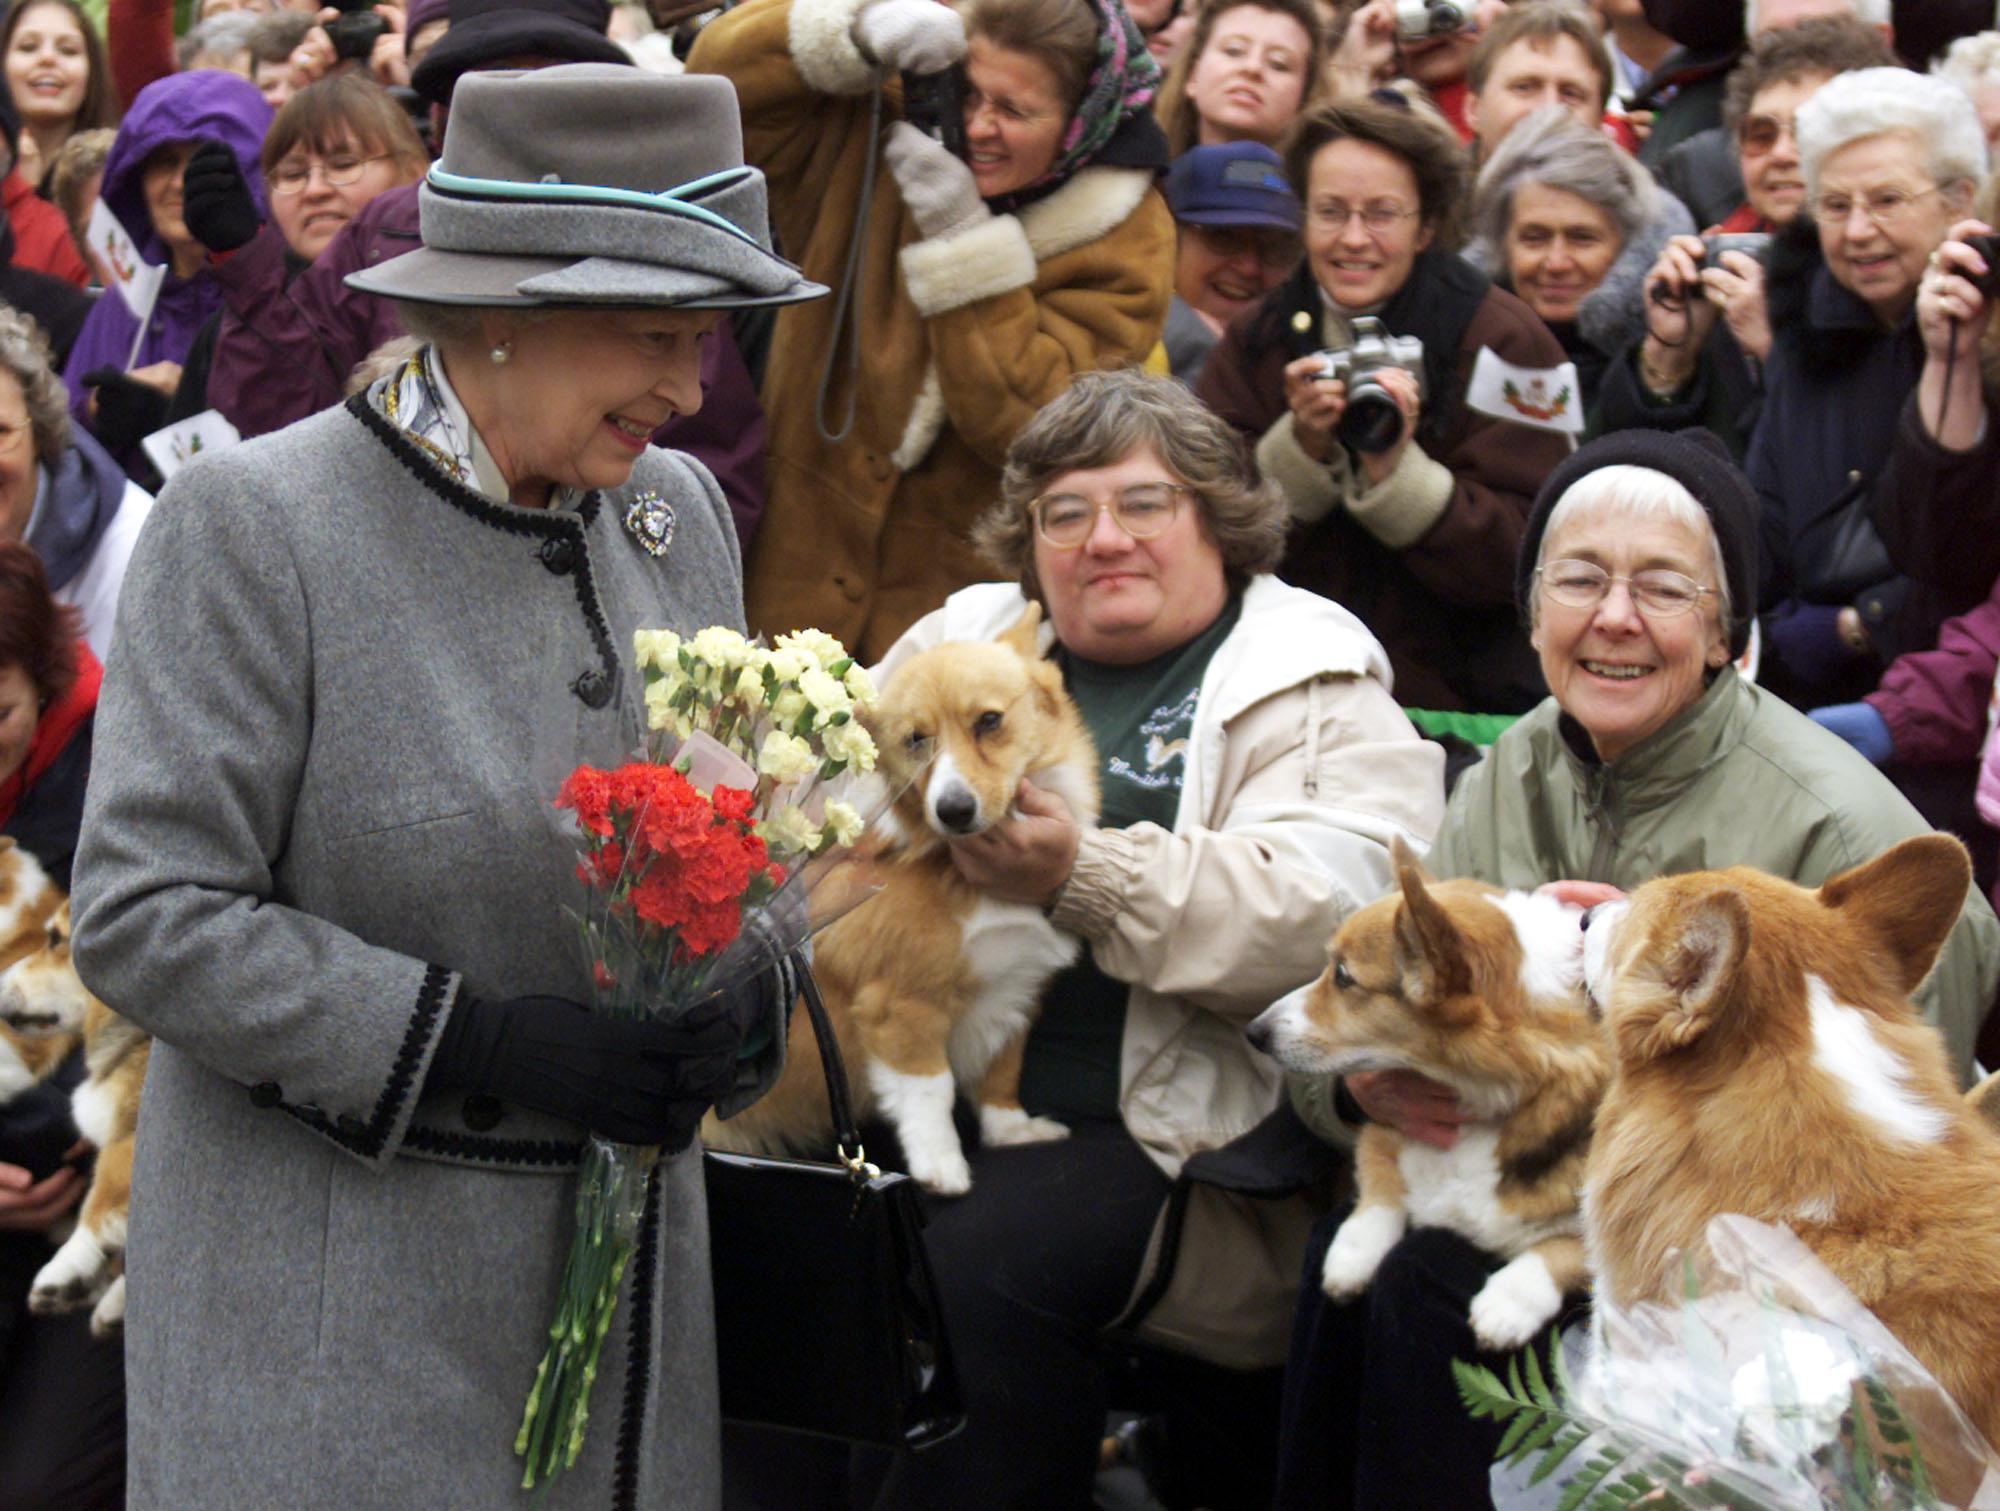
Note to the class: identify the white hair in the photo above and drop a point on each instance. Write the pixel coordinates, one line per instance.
(1970, 62)
(1625, 494)
(1871, 101)
(1552, 148)
(1867, 12)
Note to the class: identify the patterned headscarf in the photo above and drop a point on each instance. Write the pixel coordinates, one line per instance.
(1123, 82)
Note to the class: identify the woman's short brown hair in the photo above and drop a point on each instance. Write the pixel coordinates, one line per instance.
(1432, 154)
(1101, 419)
(1062, 34)
(37, 634)
(332, 113)
(1178, 117)
(1824, 45)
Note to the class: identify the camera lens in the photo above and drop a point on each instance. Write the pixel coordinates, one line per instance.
(1372, 421)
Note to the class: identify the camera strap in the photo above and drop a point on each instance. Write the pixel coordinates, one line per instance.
(846, 332)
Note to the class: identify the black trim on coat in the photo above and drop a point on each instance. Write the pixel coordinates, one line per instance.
(499, 1151)
(638, 1355)
(594, 688)
(368, 1139)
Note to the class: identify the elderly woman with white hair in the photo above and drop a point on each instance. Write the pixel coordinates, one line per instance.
(1570, 224)
(1636, 579)
(1973, 65)
(1891, 161)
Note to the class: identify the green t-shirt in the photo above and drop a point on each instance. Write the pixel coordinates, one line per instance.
(1141, 718)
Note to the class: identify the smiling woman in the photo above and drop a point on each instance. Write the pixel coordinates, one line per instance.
(333, 147)
(56, 72)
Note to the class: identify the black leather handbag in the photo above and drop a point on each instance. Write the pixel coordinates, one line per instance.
(827, 1318)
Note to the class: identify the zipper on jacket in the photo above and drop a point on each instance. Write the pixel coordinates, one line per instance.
(1603, 799)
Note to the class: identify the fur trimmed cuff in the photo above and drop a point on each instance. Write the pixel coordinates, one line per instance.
(1399, 510)
(1311, 488)
(949, 272)
(1088, 904)
(823, 50)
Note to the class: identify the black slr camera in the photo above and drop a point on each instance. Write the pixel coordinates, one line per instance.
(934, 103)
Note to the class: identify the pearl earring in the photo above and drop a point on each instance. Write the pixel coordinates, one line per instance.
(501, 352)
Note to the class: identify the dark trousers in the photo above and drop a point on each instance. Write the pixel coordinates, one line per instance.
(1371, 1416)
(1031, 1265)
(62, 1399)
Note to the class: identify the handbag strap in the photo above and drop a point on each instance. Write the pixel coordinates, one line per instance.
(846, 1135)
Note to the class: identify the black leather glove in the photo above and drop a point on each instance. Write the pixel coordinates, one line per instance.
(127, 410)
(215, 199)
(635, 1081)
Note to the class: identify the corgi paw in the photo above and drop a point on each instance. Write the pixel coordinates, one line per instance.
(943, 1172)
(1359, 1248)
(1515, 1304)
(75, 1277)
(109, 1316)
(1002, 1126)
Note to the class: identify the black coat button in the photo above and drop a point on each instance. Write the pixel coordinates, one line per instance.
(482, 1114)
(351, 1126)
(594, 688)
(559, 554)
(266, 1094)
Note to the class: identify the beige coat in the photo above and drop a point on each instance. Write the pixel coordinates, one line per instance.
(963, 337)
(1299, 769)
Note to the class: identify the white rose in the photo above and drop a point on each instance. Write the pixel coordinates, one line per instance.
(789, 830)
(843, 823)
(659, 648)
(786, 758)
(851, 743)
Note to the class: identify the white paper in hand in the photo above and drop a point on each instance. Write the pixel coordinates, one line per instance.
(174, 447)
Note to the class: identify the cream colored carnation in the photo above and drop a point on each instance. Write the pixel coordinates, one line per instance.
(826, 695)
(786, 758)
(860, 686)
(851, 743)
(659, 648)
(843, 823)
(789, 830)
(787, 664)
(720, 647)
(816, 646)
(788, 705)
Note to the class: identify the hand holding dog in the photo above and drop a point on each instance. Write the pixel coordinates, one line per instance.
(28, 1205)
(1028, 855)
(1414, 1105)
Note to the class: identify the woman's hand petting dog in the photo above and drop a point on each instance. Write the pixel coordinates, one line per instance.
(1027, 856)
(28, 1205)
(1414, 1105)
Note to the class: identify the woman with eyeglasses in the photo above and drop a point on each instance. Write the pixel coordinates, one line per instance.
(1707, 325)
(1891, 160)
(1253, 770)
(985, 272)
(1637, 581)
(1409, 509)
(333, 146)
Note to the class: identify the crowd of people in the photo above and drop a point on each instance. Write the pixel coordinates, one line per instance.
(1558, 439)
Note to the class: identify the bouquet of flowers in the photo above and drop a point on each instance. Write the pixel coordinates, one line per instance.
(705, 861)
(1766, 1385)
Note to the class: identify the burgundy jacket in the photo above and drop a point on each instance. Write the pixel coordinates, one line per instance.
(285, 349)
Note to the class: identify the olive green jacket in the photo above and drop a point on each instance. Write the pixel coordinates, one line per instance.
(1741, 778)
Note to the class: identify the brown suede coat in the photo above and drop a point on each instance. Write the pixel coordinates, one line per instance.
(963, 337)
(1442, 604)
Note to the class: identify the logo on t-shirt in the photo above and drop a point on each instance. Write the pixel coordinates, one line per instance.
(1166, 731)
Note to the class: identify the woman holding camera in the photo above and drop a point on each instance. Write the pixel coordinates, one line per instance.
(982, 283)
(1409, 505)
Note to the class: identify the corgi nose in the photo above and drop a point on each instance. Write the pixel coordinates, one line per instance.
(1258, 1032)
(958, 810)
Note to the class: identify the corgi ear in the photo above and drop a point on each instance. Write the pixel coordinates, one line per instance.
(1020, 637)
(1909, 898)
(1430, 951)
(1684, 984)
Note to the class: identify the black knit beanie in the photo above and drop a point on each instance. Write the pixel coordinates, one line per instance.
(1700, 463)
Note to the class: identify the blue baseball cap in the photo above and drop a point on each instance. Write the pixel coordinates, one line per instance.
(1233, 184)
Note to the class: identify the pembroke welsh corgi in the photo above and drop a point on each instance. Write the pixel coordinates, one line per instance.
(1766, 1061)
(42, 997)
(931, 985)
(27, 900)
(1481, 990)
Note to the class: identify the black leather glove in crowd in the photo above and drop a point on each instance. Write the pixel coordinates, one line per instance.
(127, 410)
(634, 1081)
(215, 199)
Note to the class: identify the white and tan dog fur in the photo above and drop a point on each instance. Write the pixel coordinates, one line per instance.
(1481, 990)
(931, 985)
(1767, 1062)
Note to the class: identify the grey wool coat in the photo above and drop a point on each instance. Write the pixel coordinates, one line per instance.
(343, 693)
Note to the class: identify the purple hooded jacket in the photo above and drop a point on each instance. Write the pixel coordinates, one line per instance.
(185, 107)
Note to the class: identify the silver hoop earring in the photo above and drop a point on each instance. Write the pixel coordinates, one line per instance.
(501, 352)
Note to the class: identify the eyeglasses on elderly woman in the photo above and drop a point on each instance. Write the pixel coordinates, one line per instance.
(1658, 592)
(1141, 510)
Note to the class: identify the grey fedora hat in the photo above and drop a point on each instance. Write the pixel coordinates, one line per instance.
(591, 183)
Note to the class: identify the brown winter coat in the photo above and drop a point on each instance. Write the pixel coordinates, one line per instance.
(1426, 559)
(963, 337)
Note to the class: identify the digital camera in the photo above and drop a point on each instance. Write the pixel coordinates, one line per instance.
(354, 30)
(1756, 243)
(1430, 18)
(934, 103)
(1373, 420)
